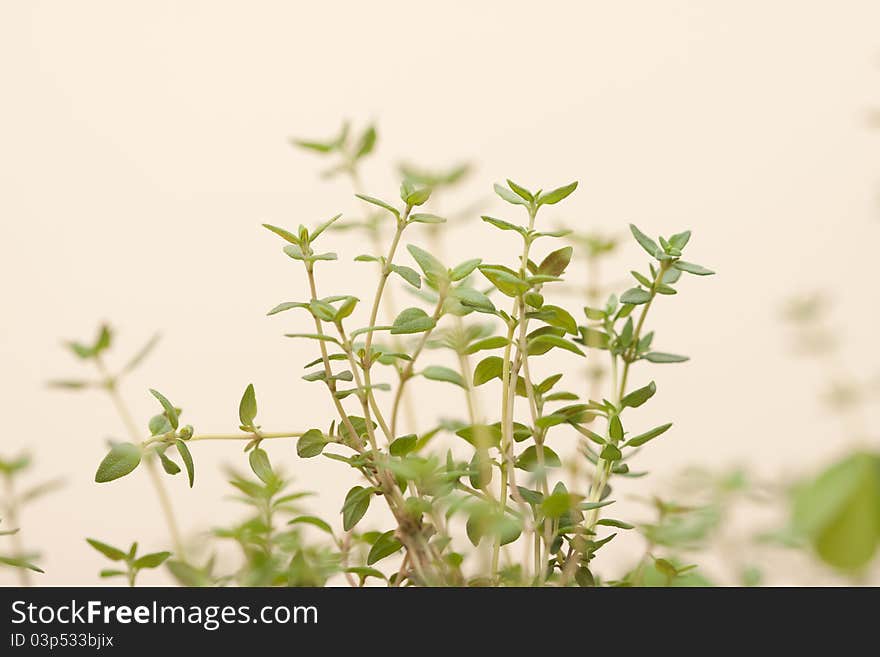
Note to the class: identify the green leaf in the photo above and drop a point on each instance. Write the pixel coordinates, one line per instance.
(152, 560)
(554, 341)
(366, 143)
(139, 357)
(521, 191)
(508, 195)
(412, 320)
(503, 225)
(432, 268)
(646, 242)
(418, 197)
(495, 342)
(185, 455)
(464, 270)
(287, 305)
(470, 298)
(533, 497)
(122, 459)
(317, 146)
(322, 310)
(357, 501)
(680, 240)
(615, 428)
(295, 251)
(691, 268)
(528, 460)
(611, 522)
(322, 227)
(363, 572)
(557, 194)
(426, 218)
(839, 512)
(547, 421)
(626, 335)
(408, 274)
(534, 300)
(313, 336)
(589, 506)
(505, 280)
(660, 357)
(635, 296)
(68, 384)
(556, 316)
(247, 407)
(611, 452)
(557, 504)
(556, 262)
(385, 546)
(487, 369)
(112, 553)
(284, 234)
(259, 462)
(439, 373)
(642, 279)
(642, 438)
(314, 521)
(170, 411)
(379, 202)
(594, 338)
(346, 308)
(638, 397)
(167, 464)
(311, 443)
(403, 445)
(159, 425)
(481, 435)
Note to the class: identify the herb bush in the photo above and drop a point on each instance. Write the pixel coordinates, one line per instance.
(495, 510)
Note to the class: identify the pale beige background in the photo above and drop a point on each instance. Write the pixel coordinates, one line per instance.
(142, 143)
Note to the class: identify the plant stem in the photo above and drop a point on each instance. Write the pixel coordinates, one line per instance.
(328, 373)
(476, 419)
(161, 492)
(375, 235)
(506, 438)
(407, 372)
(246, 436)
(13, 518)
(510, 372)
(383, 279)
(364, 393)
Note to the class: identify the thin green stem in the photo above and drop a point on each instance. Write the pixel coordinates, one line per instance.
(13, 518)
(325, 359)
(383, 279)
(506, 438)
(245, 436)
(407, 373)
(364, 393)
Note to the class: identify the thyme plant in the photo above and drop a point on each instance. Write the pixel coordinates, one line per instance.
(479, 499)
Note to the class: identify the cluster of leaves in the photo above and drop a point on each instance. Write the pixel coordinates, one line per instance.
(130, 559)
(166, 433)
